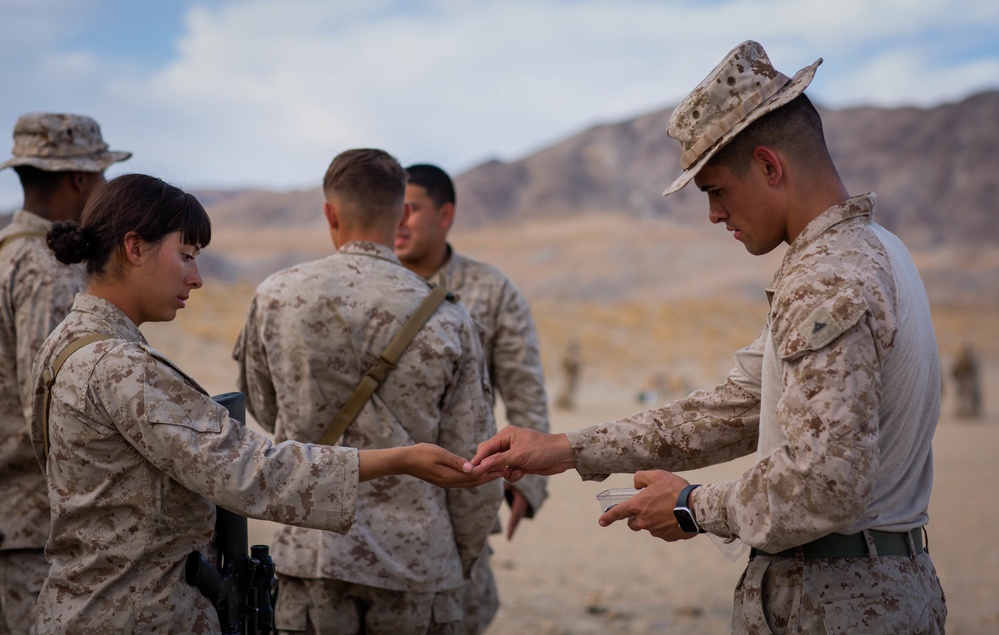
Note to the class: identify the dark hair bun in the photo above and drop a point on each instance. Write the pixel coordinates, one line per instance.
(68, 242)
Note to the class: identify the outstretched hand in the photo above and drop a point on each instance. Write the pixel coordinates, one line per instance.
(651, 509)
(425, 461)
(439, 467)
(519, 451)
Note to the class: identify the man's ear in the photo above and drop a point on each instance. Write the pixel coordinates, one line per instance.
(79, 182)
(407, 210)
(446, 215)
(769, 163)
(332, 216)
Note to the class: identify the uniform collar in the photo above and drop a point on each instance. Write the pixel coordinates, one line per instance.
(31, 220)
(118, 323)
(367, 248)
(860, 207)
(449, 274)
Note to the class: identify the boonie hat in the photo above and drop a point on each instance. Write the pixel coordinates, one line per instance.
(741, 89)
(57, 142)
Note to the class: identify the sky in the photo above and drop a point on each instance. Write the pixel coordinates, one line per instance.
(263, 93)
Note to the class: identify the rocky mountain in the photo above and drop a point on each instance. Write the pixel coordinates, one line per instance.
(934, 170)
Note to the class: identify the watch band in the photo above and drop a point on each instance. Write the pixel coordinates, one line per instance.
(684, 515)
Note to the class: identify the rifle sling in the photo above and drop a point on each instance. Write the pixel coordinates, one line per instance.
(386, 362)
(49, 375)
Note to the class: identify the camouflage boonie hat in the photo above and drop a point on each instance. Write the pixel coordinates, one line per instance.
(57, 142)
(741, 89)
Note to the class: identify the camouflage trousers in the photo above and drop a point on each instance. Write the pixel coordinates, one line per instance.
(887, 594)
(481, 599)
(343, 608)
(22, 572)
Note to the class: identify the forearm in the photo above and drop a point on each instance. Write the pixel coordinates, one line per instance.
(384, 462)
(703, 429)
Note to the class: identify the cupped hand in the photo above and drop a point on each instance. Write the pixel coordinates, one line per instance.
(439, 467)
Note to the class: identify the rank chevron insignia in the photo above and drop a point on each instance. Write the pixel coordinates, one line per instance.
(818, 327)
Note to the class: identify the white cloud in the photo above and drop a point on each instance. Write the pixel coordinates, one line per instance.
(265, 93)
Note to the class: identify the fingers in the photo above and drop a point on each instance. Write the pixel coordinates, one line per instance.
(499, 443)
(616, 513)
(518, 509)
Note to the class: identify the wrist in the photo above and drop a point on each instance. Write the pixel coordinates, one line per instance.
(683, 512)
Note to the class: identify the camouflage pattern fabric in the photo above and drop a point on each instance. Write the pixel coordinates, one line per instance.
(343, 608)
(139, 454)
(510, 343)
(513, 357)
(311, 332)
(839, 397)
(780, 595)
(36, 293)
(22, 572)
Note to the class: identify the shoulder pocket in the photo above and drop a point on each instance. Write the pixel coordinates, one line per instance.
(172, 397)
(813, 327)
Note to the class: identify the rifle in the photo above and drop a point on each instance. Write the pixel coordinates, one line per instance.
(243, 587)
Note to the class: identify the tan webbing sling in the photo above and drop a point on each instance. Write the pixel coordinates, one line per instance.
(386, 362)
(42, 399)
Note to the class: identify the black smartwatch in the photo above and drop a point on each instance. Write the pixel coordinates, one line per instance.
(685, 515)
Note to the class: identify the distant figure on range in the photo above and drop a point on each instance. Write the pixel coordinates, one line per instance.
(314, 334)
(967, 384)
(59, 159)
(572, 366)
(838, 397)
(509, 342)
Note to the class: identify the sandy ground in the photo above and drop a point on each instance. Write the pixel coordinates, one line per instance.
(565, 575)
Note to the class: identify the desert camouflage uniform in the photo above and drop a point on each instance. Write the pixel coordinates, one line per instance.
(311, 333)
(840, 398)
(138, 456)
(513, 358)
(36, 293)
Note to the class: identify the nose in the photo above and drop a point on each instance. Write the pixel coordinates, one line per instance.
(194, 277)
(716, 210)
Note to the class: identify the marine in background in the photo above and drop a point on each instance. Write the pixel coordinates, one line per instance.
(59, 159)
(509, 341)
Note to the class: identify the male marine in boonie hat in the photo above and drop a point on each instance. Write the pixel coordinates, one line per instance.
(56, 142)
(741, 89)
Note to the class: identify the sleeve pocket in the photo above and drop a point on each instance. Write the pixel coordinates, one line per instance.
(170, 397)
(812, 329)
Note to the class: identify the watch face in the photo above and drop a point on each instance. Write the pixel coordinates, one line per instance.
(685, 520)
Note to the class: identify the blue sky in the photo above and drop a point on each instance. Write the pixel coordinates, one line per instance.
(263, 93)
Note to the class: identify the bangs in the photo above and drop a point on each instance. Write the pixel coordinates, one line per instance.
(195, 226)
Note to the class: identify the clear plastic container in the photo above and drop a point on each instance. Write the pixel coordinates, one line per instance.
(731, 548)
(610, 497)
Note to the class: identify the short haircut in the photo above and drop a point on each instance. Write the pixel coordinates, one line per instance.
(434, 180)
(369, 183)
(795, 128)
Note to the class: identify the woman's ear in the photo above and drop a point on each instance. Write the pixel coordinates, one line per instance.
(134, 249)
